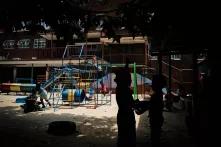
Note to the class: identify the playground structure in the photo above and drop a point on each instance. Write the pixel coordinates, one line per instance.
(143, 80)
(76, 83)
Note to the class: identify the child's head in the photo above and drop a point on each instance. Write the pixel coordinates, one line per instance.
(123, 77)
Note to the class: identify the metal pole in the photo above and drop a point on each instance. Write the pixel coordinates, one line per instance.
(170, 74)
(160, 63)
(135, 82)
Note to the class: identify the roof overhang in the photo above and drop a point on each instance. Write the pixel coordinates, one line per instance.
(52, 36)
(124, 40)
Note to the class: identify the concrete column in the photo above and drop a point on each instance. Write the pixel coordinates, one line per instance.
(47, 72)
(145, 53)
(32, 71)
(195, 84)
(14, 74)
(160, 63)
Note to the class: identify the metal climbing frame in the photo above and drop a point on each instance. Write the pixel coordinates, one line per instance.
(144, 80)
(81, 77)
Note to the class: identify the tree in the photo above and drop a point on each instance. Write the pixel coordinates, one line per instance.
(163, 21)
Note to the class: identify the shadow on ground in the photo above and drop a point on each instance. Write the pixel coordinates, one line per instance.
(30, 129)
(174, 131)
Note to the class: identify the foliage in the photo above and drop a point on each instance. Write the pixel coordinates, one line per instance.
(160, 20)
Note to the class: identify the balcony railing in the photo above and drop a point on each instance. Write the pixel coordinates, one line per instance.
(34, 53)
(49, 53)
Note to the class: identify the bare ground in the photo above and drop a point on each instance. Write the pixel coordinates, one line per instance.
(95, 127)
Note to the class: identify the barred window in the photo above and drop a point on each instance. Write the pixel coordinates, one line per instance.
(24, 43)
(202, 56)
(153, 57)
(175, 57)
(9, 44)
(39, 43)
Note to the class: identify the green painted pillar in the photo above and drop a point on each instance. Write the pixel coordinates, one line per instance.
(135, 82)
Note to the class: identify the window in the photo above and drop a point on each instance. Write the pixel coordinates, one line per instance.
(39, 43)
(175, 57)
(153, 57)
(202, 56)
(24, 43)
(9, 44)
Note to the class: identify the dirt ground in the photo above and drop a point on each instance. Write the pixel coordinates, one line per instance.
(95, 127)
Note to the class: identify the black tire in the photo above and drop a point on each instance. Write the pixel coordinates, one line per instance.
(62, 128)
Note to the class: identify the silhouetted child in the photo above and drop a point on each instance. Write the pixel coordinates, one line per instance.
(182, 95)
(31, 103)
(156, 109)
(100, 73)
(125, 116)
(168, 101)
